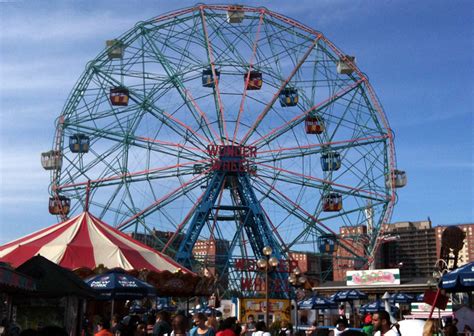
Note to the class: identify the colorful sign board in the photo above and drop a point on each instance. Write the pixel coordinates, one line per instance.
(375, 277)
(279, 309)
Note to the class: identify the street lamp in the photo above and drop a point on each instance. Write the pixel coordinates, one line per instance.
(296, 279)
(267, 264)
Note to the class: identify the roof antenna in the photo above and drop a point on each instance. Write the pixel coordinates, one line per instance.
(88, 190)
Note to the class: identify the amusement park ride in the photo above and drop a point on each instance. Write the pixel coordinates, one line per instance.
(230, 124)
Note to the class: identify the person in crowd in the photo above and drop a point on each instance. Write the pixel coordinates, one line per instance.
(261, 329)
(236, 326)
(130, 323)
(141, 330)
(304, 320)
(455, 322)
(179, 326)
(429, 328)
(311, 331)
(150, 323)
(467, 330)
(342, 310)
(450, 330)
(52, 331)
(250, 325)
(367, 327)
(286, 328)
(341, 326)
(162, 325)
(351, 332)
(103, 328)
(243, 329)
(226, 327)
(116, 327)
(212, 323)
(383, 326)
(200, 327)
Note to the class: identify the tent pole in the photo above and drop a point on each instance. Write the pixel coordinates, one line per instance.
(434, 303)
(112, 311)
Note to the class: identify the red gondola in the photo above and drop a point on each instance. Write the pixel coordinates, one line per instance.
(314, 125)
(332, 202)
(255, 80)
(59, 205)
(119, 96)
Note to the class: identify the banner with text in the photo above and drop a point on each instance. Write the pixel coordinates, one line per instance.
(373, 277)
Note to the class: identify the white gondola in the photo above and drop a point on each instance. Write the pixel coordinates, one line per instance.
(343, 66)
(115, 49)
(235, 14)
(198, 168)
(399, 177)
(51, 160)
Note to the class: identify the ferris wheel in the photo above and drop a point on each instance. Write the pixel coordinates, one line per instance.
(217, 130)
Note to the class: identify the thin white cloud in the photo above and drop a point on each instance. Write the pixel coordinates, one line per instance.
(23, 178)
(60, 27)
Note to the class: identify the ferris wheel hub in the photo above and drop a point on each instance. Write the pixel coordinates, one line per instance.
(232, 158)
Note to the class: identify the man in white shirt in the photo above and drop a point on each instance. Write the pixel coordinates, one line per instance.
(383, 326)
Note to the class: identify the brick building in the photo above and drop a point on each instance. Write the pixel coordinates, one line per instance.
(343, 258)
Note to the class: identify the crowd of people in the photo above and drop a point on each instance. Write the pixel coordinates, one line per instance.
(199, 324)
(163, 324)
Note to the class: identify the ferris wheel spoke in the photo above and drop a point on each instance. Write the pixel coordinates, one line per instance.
(217, 95)
(274, 230)
(151, 144)
(310, 219)
(137, 176)
(279, 131)
(203, 115)
(244, 95)
(168, 198)
(218, 33)
(172, 122)
(275, 96)
(179, 85)
(100, 159)
(286, 153)
(169, 41)
(305, 180)
(293, 212)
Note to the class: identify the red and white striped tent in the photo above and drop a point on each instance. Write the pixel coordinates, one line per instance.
(86, 241)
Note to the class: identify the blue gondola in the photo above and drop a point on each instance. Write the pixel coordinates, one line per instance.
(79, 143)
(330, 161)
(327, 244)
(208, 78)
(288, 97)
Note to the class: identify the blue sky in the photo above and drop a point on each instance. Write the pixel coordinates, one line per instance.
(417, 55)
